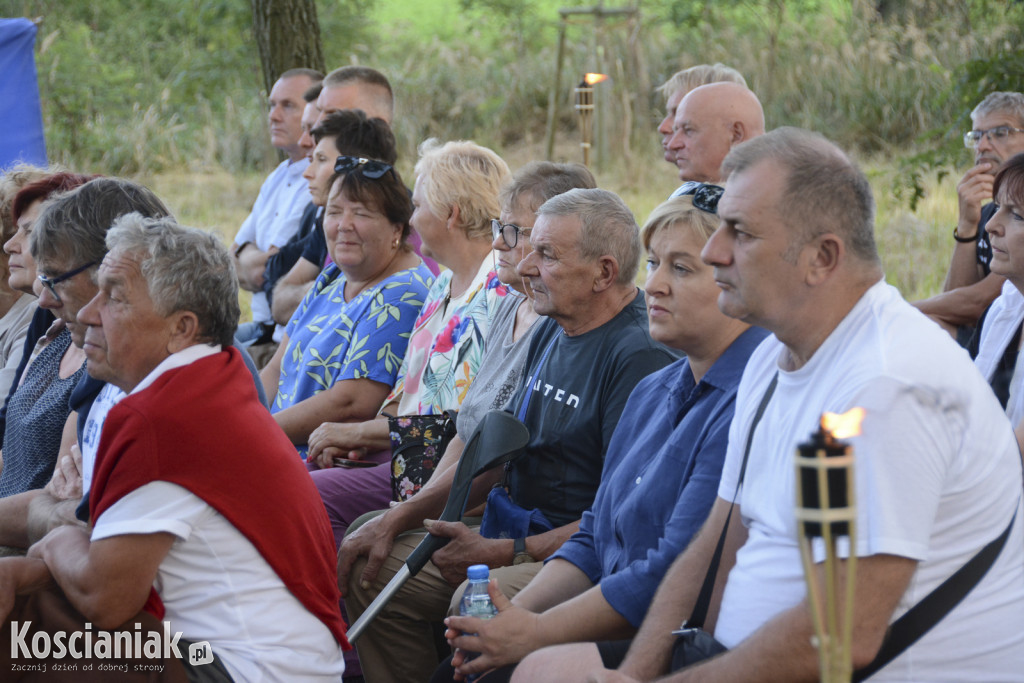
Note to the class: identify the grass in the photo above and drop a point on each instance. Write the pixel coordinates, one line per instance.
(915, 246)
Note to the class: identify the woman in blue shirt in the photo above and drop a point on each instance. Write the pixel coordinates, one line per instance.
(344, 345)
(660, 476)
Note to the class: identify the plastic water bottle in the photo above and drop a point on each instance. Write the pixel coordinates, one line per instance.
(476, 601)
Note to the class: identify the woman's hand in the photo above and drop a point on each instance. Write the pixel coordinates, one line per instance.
(334, 440)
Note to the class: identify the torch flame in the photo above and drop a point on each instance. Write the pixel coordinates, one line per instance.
(594, 79)
(843, 426)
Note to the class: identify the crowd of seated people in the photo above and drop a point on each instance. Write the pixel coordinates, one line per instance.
(155, 480)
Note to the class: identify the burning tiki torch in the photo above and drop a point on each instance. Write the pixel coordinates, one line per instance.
(826, 509)
(585, 108)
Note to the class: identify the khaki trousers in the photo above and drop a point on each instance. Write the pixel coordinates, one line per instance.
(398, 646)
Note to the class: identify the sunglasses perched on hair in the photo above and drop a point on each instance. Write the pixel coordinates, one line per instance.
(705, 197)
(509, 232)
(997, 134)
(51, 282)
(369, 168)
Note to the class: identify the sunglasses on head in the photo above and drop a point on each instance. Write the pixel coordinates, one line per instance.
(369, 168)
(705, 197)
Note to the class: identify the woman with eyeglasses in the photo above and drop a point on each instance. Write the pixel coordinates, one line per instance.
(37, 408)
(660, 478)
(997, 342)
(343, 347)
(456, 195)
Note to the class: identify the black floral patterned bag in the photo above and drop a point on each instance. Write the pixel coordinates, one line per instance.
(417, 444)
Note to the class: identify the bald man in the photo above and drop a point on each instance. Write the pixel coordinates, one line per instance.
(711, 120)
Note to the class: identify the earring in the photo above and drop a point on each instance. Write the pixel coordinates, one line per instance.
(395, 243)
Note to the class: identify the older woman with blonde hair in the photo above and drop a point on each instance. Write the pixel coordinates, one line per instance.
(456, 196)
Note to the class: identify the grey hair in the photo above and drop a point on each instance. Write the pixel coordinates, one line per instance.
(1001, 102)
(609, 228)
(11, 182)
(539, 181)
(185, 270)
(824, 190)
(72, 227)
(701, 74)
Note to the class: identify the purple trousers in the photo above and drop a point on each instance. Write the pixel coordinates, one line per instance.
(348, 493)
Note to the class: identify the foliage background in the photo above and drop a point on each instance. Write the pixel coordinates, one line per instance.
(170, 90)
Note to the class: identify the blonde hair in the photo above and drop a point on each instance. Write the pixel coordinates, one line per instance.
(702, 74)
(679, 211)
(464, 174)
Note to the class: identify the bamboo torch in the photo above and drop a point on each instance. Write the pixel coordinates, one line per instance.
(826, 509)
(585, 109)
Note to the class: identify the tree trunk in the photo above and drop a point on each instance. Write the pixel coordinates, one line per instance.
(288, 36)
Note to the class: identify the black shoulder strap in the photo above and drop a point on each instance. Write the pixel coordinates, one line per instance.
(700, 609)
(920, 618)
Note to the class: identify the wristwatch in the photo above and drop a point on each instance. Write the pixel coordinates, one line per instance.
(519, 554)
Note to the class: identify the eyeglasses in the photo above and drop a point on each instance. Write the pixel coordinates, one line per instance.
(997, 134)
(369, 168)
(51, 283)
(705, 197)
(509, 232)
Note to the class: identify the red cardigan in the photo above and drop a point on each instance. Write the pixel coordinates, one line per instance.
(202, 427)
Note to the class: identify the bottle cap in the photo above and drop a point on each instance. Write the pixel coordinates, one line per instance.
(477, 572)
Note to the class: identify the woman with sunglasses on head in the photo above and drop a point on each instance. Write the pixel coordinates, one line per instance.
(456, 196)
(37, 408)
(343, 347)
(660, 477)
(997, 341)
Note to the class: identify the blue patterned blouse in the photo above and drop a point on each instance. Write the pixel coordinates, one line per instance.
(330, 339)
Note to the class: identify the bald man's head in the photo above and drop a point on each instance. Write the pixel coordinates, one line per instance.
(709, 121)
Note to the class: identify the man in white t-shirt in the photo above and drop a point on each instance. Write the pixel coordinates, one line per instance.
(938, 474)
(192, 474)
(277, 212)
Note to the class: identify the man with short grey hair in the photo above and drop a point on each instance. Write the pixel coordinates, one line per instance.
(842, 339)
(180, 523)
(582, 364)
(357, 87)
(997, 134)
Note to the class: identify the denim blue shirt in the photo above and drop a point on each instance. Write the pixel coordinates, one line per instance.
(660, 478)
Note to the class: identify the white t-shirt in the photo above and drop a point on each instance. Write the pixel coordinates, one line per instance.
(1001, 323)
(217, 587)
(105, 400)
(938, 475)
(213, 583)
(275, 217)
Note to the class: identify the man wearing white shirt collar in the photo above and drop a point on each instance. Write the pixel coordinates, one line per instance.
(278, 209)
(188, 462)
